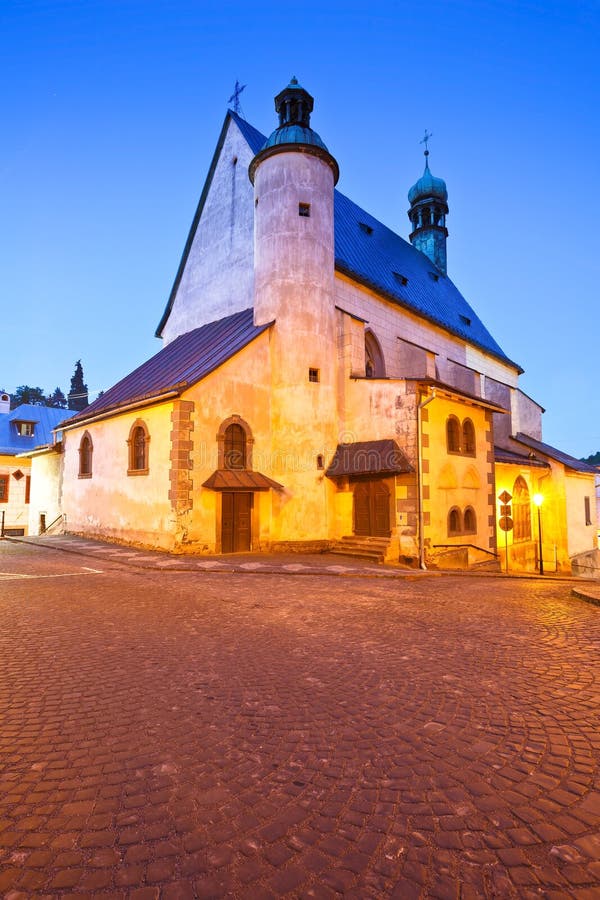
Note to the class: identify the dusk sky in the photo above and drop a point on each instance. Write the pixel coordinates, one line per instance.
(111, 112)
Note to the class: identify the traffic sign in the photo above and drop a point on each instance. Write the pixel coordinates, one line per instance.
(506, 523)
(505, 497)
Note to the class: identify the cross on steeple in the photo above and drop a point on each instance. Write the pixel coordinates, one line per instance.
(235, 97)
(426, 138)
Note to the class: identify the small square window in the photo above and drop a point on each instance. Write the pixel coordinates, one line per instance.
(304, 210)
(313, 375)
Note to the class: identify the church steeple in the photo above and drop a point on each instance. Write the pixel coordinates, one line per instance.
(293, 106)
(428, 200)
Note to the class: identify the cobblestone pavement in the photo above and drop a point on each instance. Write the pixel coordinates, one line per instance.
(181, 735)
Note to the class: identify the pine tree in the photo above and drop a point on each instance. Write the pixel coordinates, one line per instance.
(78, 395)
(57, 399)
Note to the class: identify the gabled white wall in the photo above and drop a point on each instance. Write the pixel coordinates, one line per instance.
(218, 278)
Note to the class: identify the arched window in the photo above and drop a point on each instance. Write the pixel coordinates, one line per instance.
(235, 443)
(469, 521)
(454, 521)
(86, 450)
(138, 447)
(374, 362)
(234, 449)
(521, 508)
(453, 435)
(468, 438)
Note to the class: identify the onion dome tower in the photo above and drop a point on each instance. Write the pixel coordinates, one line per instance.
(428, 200)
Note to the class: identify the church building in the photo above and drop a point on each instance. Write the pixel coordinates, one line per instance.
(322, 384)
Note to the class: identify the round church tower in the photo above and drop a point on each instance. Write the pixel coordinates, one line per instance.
(294, 175)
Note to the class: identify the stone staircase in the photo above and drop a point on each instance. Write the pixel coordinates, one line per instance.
(371, 548)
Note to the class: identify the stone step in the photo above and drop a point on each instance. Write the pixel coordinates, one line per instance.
(372, 548)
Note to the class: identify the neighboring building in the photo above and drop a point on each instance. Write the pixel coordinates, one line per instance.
(321, 378)
(22, 430)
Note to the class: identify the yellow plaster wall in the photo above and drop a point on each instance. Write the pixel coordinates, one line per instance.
(523, 556)
(452, 479)
(16, 511)
(132, 508)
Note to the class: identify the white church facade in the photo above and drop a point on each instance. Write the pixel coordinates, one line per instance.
(321, 380)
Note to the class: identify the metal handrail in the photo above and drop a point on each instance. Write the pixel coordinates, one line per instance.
(474, 547)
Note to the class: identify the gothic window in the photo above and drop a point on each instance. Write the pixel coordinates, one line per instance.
(235, 444)
(453, 435)
(469, 521)
(521, 508)
(454, 521)
(374, 362)
(86, 450)
(468, 434)
(234, 450)
(138, 448)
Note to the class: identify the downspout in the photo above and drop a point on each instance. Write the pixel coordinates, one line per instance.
(420, 407)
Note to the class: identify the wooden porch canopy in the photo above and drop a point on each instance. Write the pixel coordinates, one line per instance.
(240, 480)
(383, 457)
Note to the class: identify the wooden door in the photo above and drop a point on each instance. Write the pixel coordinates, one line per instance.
(236, 522)
(372, 508)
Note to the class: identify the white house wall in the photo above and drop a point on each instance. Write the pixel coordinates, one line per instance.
(46, 490)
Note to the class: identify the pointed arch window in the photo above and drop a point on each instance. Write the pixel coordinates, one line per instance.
(454, 521)
(468, 438)
(86, 452)
(469, 521)
(138, 445)
(453, 435)
(374, 361)
(234, 448)
(521, 503)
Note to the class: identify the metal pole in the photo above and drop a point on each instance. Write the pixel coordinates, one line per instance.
(506, 549)
(540, 535)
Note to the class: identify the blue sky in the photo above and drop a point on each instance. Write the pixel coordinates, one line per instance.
(111, 112)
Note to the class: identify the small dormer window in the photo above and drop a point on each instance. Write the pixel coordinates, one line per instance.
(366, 228)
(25, 429)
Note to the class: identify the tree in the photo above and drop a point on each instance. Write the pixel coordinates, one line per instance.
(78, 395)
(26, 394)
(593, 459)
(57, 399)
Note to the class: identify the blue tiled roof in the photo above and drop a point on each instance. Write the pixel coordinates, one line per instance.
(44, 419)
(379, 258)
(376, 256)
(577, 465)
(182, 363)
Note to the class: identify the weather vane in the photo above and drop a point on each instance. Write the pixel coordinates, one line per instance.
(426, 138)
(235, 98)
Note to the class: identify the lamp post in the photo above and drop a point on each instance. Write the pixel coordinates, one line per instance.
(538, 499)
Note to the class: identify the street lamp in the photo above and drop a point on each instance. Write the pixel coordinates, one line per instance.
(538, 499)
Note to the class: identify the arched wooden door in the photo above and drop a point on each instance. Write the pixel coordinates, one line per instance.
(372, 508)
(236, 522)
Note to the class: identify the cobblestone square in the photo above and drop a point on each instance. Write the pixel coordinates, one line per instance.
(173, 734)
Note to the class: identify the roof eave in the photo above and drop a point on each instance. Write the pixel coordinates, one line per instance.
(393, 298)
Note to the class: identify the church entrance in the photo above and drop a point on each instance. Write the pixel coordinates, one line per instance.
(372, 508)
(236, 522)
